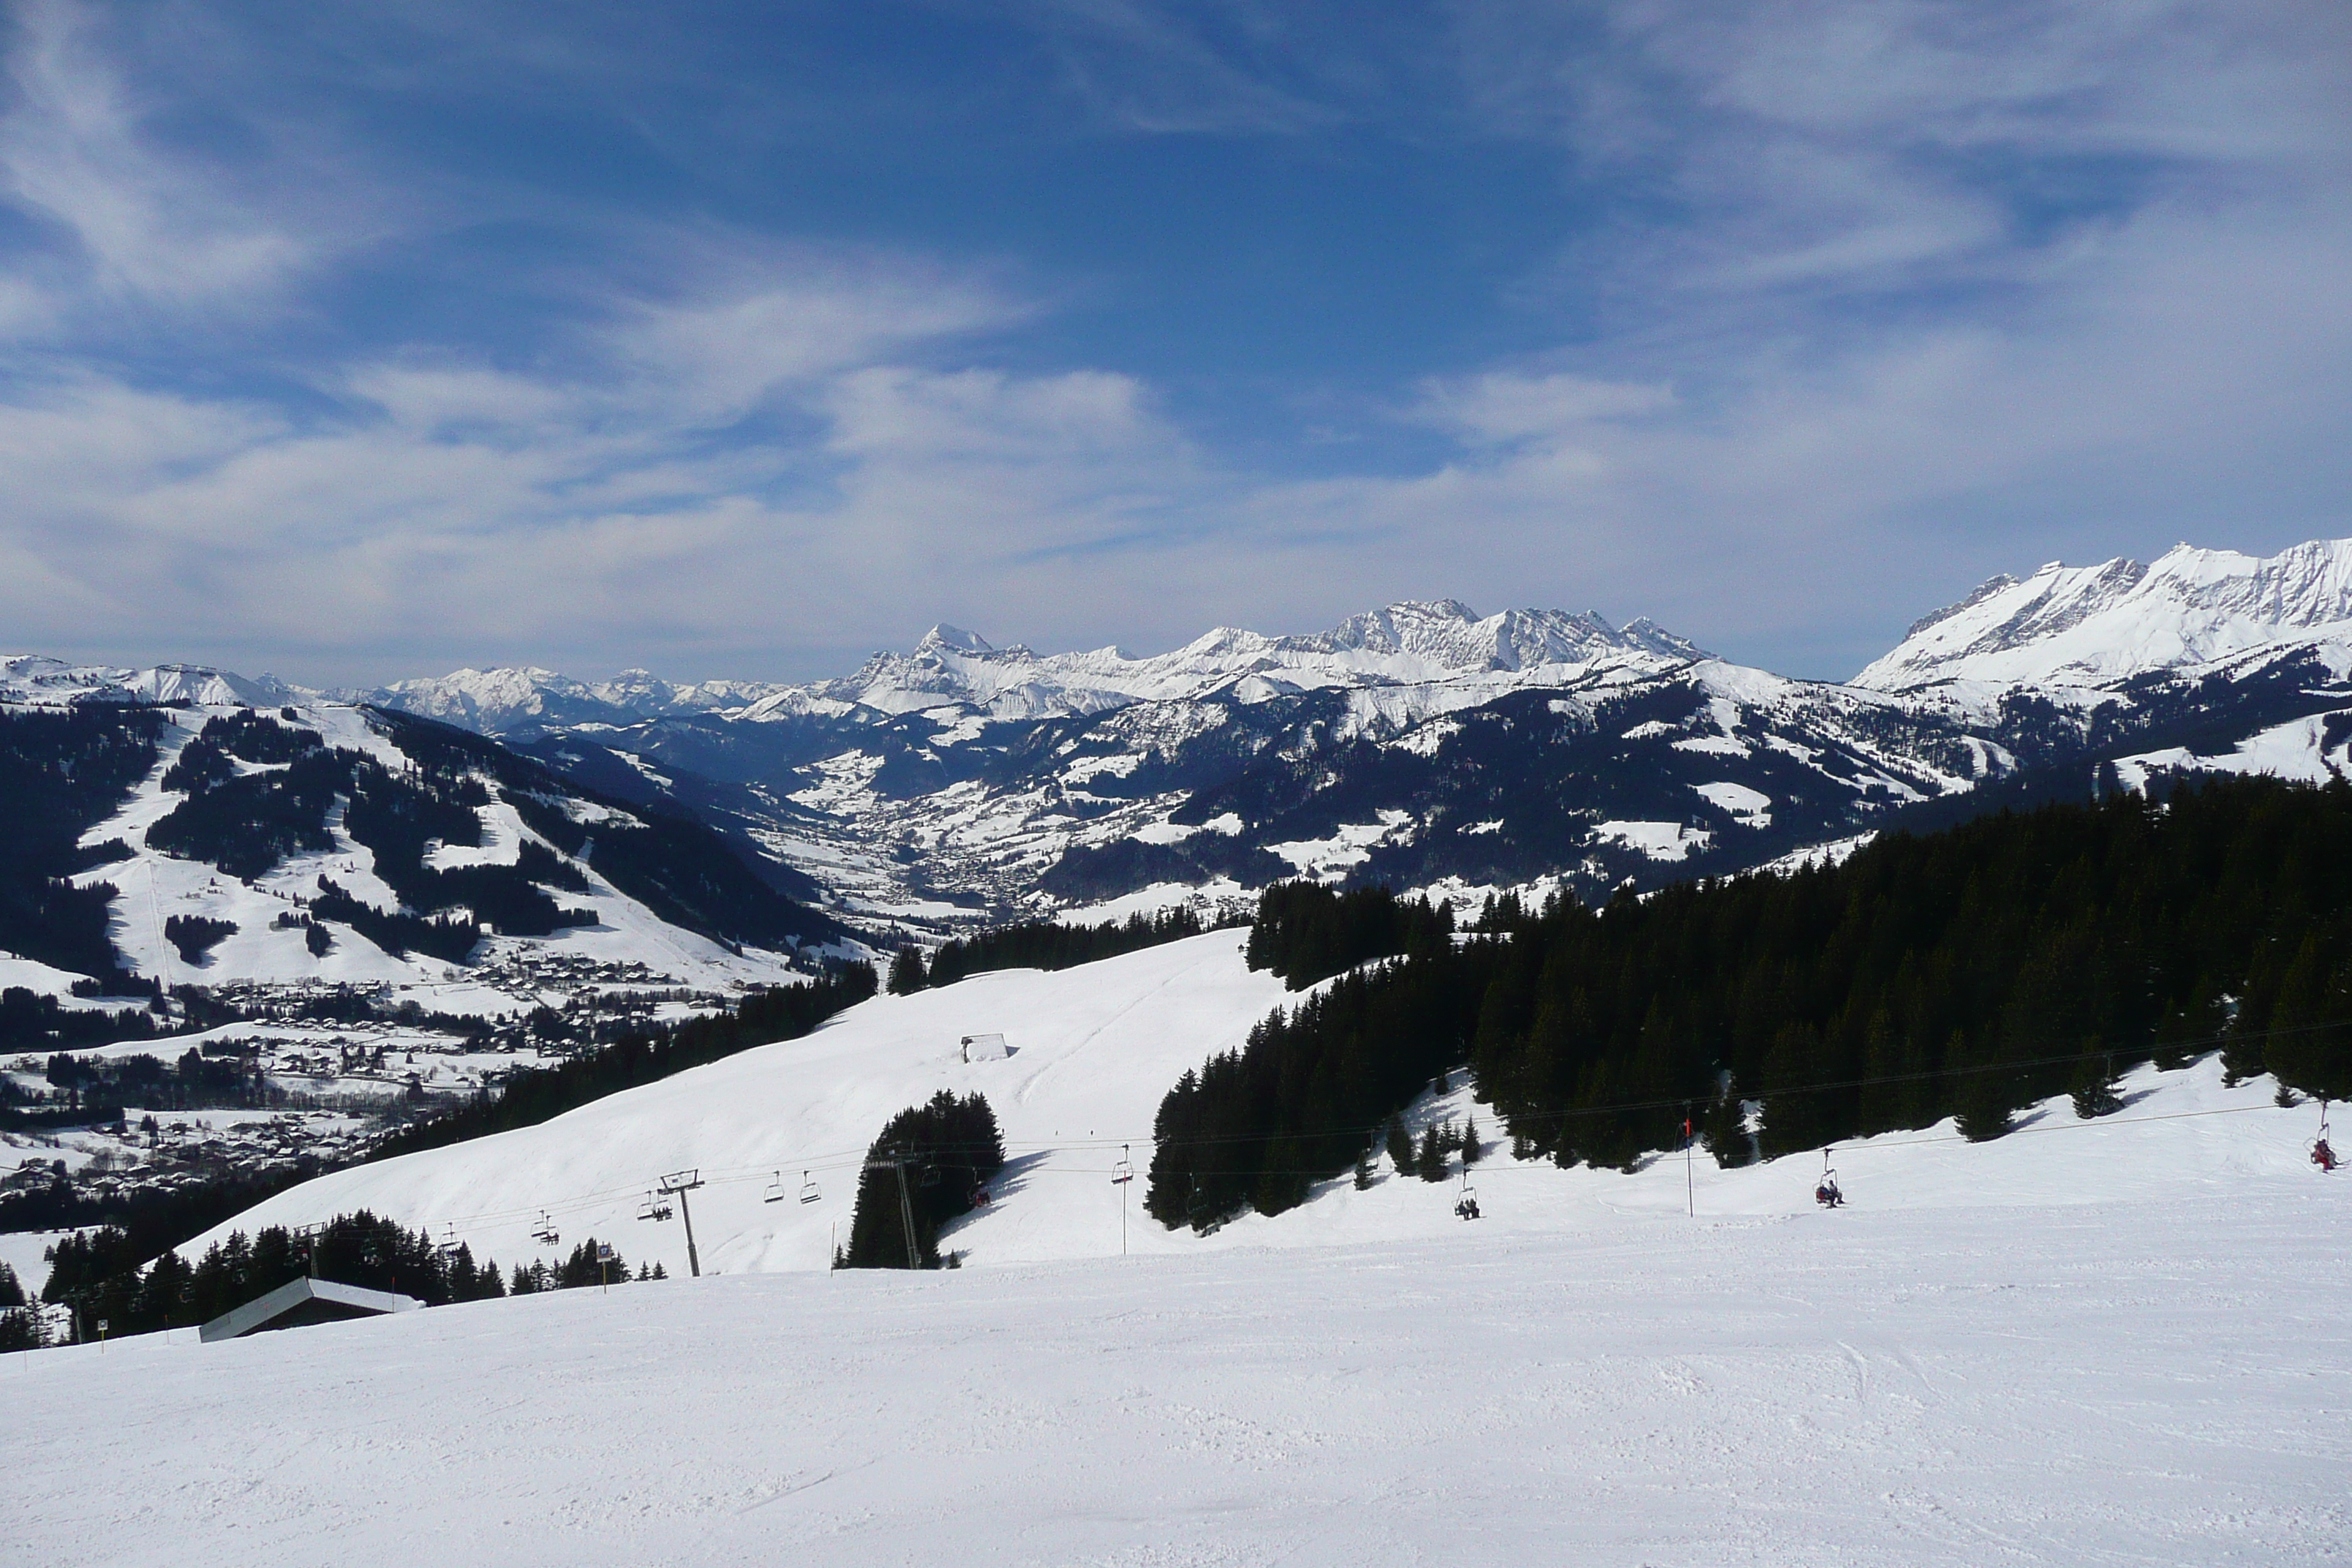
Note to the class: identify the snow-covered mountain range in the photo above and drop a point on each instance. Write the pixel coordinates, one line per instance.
(1421, 744)
(1402, 644)
(2089, 626)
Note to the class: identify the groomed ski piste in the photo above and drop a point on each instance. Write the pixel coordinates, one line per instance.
(2127, 1339)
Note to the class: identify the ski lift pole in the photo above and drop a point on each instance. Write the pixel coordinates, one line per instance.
(1690, 1182)
(899, 1163)
(1123, 1176)
(907, 1217)
(681, 1183)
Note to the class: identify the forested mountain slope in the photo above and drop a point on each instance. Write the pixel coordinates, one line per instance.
(1969, 974)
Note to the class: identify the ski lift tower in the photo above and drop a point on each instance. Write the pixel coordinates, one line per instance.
(679, 1184)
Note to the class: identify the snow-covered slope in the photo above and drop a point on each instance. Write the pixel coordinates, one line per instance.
(2117, 1340)
(1094, 1050)
(2153, 1381)
(2086, 626)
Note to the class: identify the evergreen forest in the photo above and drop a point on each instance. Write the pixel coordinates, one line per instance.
(931, 1164)
(60, 773)
(1964, 974)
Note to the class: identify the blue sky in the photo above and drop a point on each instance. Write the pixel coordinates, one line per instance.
(354, 344)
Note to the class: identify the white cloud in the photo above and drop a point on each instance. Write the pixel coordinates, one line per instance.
(153, 229)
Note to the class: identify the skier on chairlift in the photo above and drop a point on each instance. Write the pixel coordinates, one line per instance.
(2322, 1155)
(1827, 1194)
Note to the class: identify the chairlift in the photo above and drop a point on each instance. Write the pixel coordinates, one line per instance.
(449, 1242)
(545, 1232)
(2322, 1155)
(1466, 1205)
(654, 1208)
(931, 1177)
(1124, 1172)
(1827, 1194)
(809, 1192)
(775, 1193)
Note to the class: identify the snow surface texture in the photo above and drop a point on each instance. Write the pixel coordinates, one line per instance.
(2033, 1380)
(2088, 624)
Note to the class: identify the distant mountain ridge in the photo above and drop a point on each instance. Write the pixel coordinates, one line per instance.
(1402, 644)
(1421, 744)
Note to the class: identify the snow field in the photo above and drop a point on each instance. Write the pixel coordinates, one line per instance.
(2160, 1382)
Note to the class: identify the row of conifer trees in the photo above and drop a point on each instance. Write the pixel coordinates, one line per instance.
(1968, 973)
(85, 1273)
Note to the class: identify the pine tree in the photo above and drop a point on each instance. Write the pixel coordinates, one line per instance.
(1400, 1143)
(1433, 1156)
(1364, 1169)
(1985, 1110)
(2094, 1089)
(907, 973)
(1724, 1131)
(1469, 1142)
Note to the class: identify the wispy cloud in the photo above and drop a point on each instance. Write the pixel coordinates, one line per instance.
(141, 228)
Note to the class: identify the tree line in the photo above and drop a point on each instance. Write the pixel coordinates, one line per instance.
(1964, 974)
(1038, 944)
(85, 1273)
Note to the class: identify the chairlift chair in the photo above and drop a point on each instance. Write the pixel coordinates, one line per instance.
(775, 1193)
(545, 1232)
(2322, 1154)
(930, 1176)
(1124, 1172)
(1466, 1205)
(809, 1192)
(449, 1243)
(1827, 1194)
(654, 1208)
